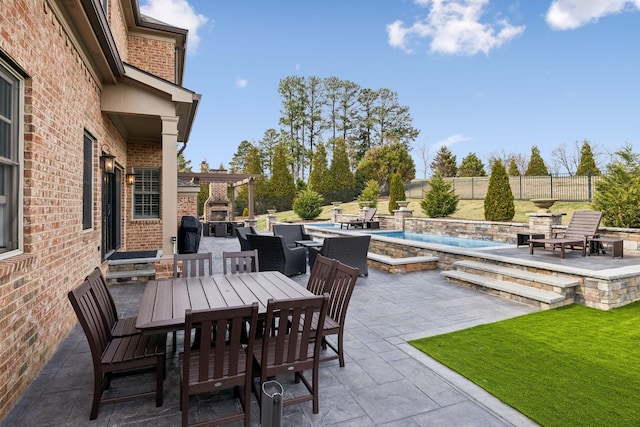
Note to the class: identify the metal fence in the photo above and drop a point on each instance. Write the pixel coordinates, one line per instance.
(561, 187)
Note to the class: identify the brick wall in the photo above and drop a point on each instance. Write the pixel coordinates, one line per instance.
(153, 55)
(142, 233)
(62, 101)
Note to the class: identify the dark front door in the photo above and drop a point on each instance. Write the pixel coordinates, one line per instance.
(111, 190)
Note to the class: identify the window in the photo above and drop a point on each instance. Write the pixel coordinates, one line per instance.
(11, 96)
(87, 183)
(146, 193)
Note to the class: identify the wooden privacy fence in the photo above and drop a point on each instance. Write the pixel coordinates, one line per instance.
(564, 188)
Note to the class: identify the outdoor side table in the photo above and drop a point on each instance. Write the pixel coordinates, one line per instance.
(617, 248)
(523, 239)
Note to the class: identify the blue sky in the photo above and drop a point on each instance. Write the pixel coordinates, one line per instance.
(485, 76)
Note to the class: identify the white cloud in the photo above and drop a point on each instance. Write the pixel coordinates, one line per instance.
(449, 141)
(241, 83)
(571, 14)
(454, 27)
(178, 13)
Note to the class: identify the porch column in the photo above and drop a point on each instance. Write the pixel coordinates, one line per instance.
(169, 187)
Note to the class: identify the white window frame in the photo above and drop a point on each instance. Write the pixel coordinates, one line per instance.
(15, 213)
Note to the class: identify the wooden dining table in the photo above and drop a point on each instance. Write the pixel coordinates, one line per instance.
(164, 301)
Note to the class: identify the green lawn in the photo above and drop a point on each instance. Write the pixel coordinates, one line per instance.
(467, 209)
(572, 366)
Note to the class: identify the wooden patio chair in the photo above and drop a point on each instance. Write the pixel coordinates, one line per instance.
(581, 228)
(115, 354)
(240, 262)
(321, 274)
(340, 290)
(220, 363)
(288, 345)
(120, 327)
(360, 222)
(193, 265)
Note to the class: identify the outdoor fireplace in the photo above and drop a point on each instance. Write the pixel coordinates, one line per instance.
(217, 207)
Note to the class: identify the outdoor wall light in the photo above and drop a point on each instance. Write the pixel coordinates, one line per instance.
(108, 160)
(131, 179)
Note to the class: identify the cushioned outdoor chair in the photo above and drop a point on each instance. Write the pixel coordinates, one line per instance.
(275, 255)
(350, 250)
(582, 227)
(290, 233)
(241, 233)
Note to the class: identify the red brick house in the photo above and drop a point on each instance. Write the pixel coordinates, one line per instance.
(90, 94)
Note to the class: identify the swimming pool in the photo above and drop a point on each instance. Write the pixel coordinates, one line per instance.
(425, 238)
(442, 240)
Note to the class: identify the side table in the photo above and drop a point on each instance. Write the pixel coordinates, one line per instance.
(617, 247)
(523, 239)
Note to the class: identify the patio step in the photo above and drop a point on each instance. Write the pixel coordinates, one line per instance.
(535, 289)
(547, 282)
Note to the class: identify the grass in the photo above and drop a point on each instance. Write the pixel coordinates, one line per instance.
(467, 209)
(572, 366)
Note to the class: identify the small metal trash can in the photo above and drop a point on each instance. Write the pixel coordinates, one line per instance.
(271, 405)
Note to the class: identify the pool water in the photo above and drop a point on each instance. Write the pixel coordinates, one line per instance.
(443, 240)
(425, 238)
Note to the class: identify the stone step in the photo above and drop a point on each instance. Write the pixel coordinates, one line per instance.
(525, 294)
(517, 275)
(130, 276)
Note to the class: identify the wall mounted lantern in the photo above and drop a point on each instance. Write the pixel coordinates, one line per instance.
(108, 161)
(131, 179)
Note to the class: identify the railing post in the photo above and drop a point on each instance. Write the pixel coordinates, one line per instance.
(589, 186)
(551, 185)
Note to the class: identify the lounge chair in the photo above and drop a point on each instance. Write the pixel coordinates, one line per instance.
(241, 233)
(582, 227)
(360, 222)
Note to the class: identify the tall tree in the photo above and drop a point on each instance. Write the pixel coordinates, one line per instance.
(315, 103)
(587, 164)
(498, 203)
(618, 192)
(471, 165)
(253, 165)
(396, 192)
(319, 177)
(266, 146)
(238, 161)
(381, 163)
(184, 165)
(445, 162)
(281, 186)
(292, 89)
(343, 183)
(366, 122)
(536, 164)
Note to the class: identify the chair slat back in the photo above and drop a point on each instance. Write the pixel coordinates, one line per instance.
(368, 215)
(289, 326)
(583, 223)
(95, 327)
(193, 265)
(231, 360)
(321, 274)
(240, 262)
(103, 296)
(340, 291)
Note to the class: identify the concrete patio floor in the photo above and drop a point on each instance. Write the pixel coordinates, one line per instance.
(385, 381)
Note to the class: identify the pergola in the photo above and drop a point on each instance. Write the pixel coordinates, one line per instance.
(232, 179)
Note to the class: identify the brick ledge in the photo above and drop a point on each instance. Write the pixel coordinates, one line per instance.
(15, 264)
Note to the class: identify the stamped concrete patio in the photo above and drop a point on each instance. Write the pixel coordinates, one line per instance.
(385, 381)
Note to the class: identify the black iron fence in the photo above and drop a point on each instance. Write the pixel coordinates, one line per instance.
(561, 187)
